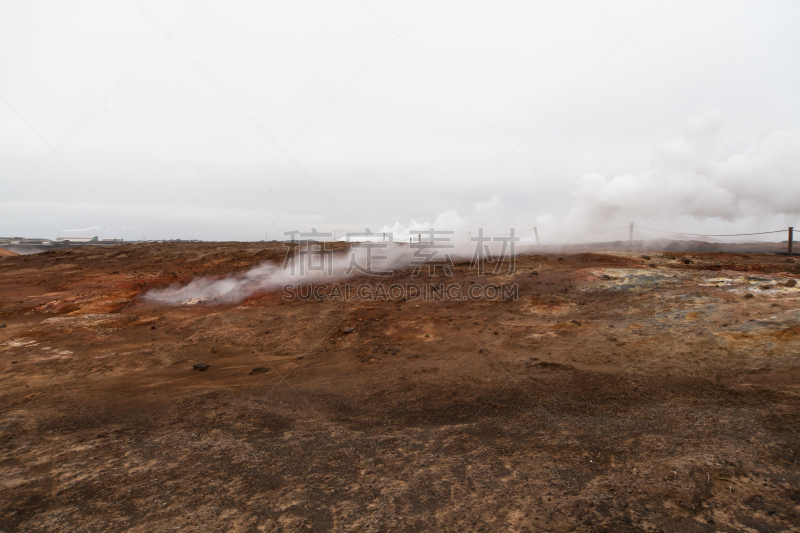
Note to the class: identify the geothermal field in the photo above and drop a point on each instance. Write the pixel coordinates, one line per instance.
(584, 391)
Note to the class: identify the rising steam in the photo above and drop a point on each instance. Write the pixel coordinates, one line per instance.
(694, 179)
(697, 178)
(699, 183)
(303, 268)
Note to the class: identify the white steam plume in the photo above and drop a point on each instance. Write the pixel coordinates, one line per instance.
(696, 178)
(492, 215)
(268, 277)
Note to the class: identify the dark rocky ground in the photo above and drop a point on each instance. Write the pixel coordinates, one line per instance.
(616, 393)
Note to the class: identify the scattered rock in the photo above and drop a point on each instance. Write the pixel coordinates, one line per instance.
(213, 350)
(535, 273)
(766, 287)
(555, 366)
(576, 322)
(300, 356)
(646, 257)
(152, 327)
(94, 321)
(259, 370)
(266, 332)
(13, 362)
(790, 283)
(687, 261)
(748, 295)
(2, 325)
(606, 277)
(202, 367)
(348, 330)
(582, 302)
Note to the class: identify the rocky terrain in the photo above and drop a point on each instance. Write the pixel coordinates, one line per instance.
(616, 392)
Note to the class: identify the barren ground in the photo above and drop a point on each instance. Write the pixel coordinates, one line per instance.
(617, 393)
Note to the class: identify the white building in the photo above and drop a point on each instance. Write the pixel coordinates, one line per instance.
(76, 238)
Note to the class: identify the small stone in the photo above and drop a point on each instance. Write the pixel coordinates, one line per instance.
(300, 356)
(259, 370)
(646, 257)
(266, 332)
(748, 295)
(213, 350)
(606, 277)
(202, 367)
(13, 362)
(535, 273)
(152, 327)
(790, 283)
(2, 325)
(576, 322)
(348, 330)
(687, 261)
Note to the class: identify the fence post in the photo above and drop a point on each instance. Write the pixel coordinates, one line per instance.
(536, 232)
(791, 238)
(630, 237)
(419, 237)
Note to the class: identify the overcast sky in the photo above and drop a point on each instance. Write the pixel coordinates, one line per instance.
(232, 120)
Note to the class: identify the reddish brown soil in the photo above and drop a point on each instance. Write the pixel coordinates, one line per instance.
(656, 398)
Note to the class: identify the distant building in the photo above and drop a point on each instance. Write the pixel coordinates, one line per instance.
(77, 238)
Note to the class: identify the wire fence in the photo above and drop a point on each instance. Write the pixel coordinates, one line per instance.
(632, 227)
(712, 234)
